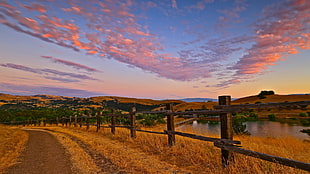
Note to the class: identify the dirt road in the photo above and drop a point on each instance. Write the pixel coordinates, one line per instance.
(43, 154)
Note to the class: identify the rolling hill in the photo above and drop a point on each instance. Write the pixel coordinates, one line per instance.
(125, 103)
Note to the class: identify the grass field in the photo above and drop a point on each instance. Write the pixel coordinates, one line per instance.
(12, 141)
(149, 153)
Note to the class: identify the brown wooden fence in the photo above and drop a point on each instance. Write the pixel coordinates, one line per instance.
(224, 110)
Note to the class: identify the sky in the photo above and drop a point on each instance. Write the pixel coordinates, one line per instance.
(159, 49)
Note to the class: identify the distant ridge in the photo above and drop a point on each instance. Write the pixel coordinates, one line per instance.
(198, 99)
(300, 94)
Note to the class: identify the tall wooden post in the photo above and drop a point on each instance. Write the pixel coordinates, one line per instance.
(75, 121)
(70, 120)
(44, 122)
(63, 121)
(113, 122)
(170, 125)
(87, 122)
(66, 121)
(98, 116)
(133, 122)
(226, 130)
(81, 120)
(57, 121)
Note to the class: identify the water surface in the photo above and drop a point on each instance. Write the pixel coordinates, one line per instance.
(256, 128)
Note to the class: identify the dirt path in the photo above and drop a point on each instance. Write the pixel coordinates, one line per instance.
(105, 165)
(43, 154)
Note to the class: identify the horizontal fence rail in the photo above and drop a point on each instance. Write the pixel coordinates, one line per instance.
(266, 157)
(224, 110)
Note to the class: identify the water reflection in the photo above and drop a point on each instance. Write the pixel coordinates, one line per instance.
(256, 128)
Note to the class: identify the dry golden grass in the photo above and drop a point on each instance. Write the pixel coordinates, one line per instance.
(133, 160)
(272, 98)
(194, 105)
(133, 100)
(44, 98)
(81, 161)
(149, 153)
(12, 141)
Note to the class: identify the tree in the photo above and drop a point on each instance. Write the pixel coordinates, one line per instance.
(263, 94)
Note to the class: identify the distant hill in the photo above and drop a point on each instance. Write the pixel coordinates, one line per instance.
(198, 99)
(125, 103)
(8, 101)
(272, 98)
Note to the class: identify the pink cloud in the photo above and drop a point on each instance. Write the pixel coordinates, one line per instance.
(35, 7)
(111, 30)
(21, 67)
(50, 73)
(283, 30)
(6, 5)
(174, 4)
(45, 89)
(201, 5)
(69, 63)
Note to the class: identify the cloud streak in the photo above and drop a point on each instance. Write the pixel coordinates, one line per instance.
(50, 73)
(52, 90)
(111, 29)
(283, 30)
(71, 64)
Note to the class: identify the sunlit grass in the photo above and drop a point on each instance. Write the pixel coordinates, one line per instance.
(189, 155)
(150, 153)
(12, 141)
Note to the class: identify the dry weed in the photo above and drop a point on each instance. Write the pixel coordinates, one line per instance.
(12, 141)
(150, 153)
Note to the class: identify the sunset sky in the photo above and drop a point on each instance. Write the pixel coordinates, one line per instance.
(160, 49)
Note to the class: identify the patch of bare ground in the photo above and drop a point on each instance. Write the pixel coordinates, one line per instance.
(85, 159)
(107, 152)
(42, 154)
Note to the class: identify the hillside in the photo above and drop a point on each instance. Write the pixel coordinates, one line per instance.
(31, 98)
(272, 98)
(125, 103)
(132, 100)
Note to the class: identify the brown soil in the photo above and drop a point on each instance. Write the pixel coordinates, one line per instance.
(43, 154)
(101, 161)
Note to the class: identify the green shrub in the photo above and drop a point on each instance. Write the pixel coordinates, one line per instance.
(303, 114)
(253, 115)
(272, 117)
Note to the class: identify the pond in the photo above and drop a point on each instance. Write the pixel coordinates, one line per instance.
(261, 128)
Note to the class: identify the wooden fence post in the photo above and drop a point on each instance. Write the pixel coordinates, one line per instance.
(62, 121)
(113, 122)
(75, 121)
(133, 122)
(170, 125)
(81, 121)
(57, 121)
(44, 122)
(66, 121)
(98, 121)
(87, 122)
(70, 120)
(226, 130)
